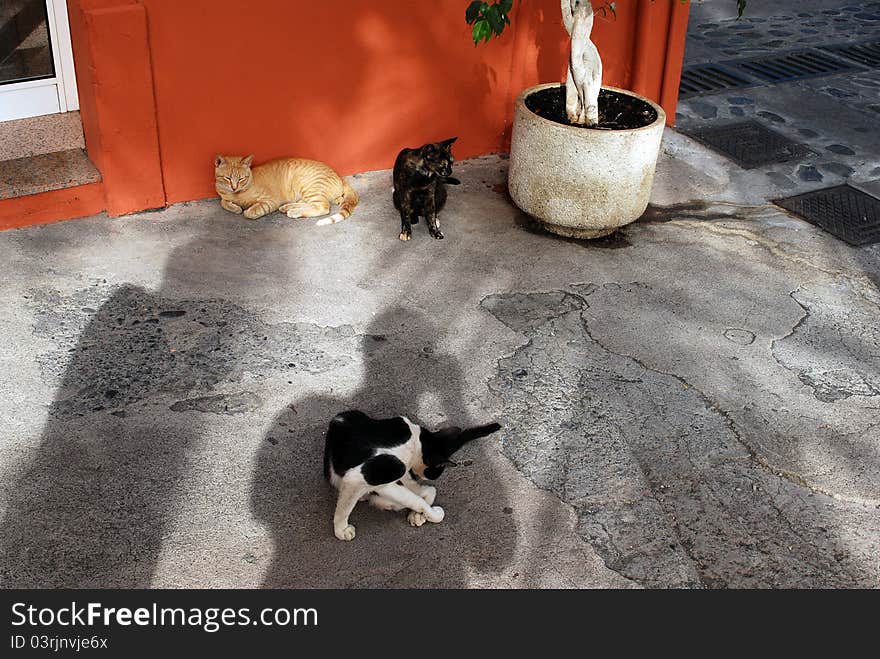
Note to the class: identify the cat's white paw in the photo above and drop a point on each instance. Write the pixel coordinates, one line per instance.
(333, 219)
(345, 534)
(416, 519)
(429, 493)
(435, 514)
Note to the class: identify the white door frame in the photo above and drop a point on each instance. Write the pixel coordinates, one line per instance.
(47, 95)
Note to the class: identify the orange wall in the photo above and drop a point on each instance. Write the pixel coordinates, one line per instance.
(347, 82)
(352, 83)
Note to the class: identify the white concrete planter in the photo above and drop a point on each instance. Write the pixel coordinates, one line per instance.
(581, 182)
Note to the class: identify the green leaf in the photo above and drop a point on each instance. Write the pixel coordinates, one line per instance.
(493, 15)
(481, 31)
(472, 12)
(487, 20)
(487, 31)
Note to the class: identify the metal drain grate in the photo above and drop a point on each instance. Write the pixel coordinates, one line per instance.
(710, 78)
(794, 66)
(749, 143)
(842, 211)
(861, 53)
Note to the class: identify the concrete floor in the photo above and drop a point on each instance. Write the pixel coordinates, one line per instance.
(694, 402)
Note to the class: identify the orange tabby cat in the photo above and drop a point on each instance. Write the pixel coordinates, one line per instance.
(298, 187)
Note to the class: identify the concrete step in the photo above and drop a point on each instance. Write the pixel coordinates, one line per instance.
(33, 136)
(44, 172)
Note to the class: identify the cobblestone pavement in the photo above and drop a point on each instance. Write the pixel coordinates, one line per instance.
(836, 115)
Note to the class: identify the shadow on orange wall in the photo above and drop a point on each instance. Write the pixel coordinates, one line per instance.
(343, 82)
(350, 83)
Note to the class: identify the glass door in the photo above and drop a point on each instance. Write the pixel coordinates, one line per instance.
(36, 59)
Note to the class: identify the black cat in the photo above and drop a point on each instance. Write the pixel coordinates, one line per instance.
(420, 178)
(383, 460)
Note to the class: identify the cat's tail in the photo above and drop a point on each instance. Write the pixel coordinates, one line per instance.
(479, 431)
(455, 442)
(347, 201)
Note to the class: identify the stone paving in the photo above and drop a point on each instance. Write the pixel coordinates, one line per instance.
(787, 28)
(835, 115)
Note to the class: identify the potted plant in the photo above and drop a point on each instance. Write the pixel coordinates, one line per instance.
(582, 156)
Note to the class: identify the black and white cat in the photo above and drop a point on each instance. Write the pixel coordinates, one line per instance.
(383, 460)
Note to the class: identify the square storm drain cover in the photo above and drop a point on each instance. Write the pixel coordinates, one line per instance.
(863, 53)
(749, 143)
(842, 211)
(710, 79)
(794, 66)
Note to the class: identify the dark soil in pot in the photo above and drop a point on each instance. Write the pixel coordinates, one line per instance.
(616, 111)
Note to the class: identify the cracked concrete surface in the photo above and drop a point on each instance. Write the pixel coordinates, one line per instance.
(690, 403)
(836, 359)
(665, 485)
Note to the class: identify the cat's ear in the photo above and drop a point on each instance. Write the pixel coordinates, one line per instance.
(247, 160)
(219, 160)
(448, 143)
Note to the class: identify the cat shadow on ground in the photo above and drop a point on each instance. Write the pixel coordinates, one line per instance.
(90, 505)
(404, 373)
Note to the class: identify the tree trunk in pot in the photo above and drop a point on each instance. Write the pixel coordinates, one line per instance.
(584, 78)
